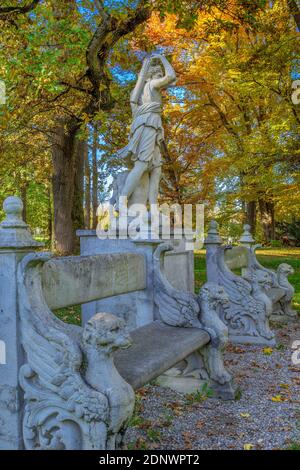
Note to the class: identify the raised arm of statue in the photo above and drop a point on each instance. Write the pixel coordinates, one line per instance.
(169, 77)
(136, 92)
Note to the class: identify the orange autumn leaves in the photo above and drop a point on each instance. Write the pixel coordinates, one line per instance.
(230, 118)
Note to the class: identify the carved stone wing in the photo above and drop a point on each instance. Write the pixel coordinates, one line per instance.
(176, 308)
(255, 265)
(61, 410)
(244, 312)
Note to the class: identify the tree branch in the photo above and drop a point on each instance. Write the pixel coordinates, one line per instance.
(107, 34)
(100, 8)
(18, 9)
(295, 11)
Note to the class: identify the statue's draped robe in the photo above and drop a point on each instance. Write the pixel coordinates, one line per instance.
(146, 133)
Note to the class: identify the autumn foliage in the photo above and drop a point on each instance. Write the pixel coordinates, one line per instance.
(232, 129)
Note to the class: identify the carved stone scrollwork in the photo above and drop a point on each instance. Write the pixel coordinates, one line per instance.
(64, 407)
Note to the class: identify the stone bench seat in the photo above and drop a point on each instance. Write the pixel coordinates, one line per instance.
(156, 348)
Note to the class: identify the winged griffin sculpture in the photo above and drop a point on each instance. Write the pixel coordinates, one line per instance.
(185, 309)
(282, 292)
(250, 307)
(71, 401)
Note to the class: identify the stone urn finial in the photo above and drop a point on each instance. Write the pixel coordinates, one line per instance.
(213, 236)
(246, 238)
(13, 207)
(14, 231)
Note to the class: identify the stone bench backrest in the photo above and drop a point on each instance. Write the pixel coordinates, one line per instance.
(80, 279)
(237, 257)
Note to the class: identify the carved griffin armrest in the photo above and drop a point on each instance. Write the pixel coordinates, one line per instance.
(279, 290)
(249, 306)
(255, 266)
(67, 400)
(185, 309)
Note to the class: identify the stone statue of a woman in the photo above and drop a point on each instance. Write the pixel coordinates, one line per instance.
(147, 134)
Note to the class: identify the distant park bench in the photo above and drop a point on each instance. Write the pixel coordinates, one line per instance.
(255, 294)
(277, 286)
(76, 383)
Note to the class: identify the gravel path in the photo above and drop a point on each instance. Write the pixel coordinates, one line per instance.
(266, 415)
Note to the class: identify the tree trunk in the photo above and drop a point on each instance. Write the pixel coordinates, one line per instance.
(87, 186)
(24, 200)
(251, 215)
(267, 215)
(77, 208)
(50, 219)
(95, 177)
(67, 182)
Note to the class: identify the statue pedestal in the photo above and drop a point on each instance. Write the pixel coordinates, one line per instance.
(137, 308)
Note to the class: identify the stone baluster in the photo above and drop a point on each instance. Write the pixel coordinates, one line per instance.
(212, 242)
(15, 242)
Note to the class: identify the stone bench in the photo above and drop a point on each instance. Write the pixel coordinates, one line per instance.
(68, 387)
(276, 285)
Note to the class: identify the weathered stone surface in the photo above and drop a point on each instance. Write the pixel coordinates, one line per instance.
(247, 315)
(74, 396)
(137, 308)
(185, 309)
(246, 239)
(186, 385)
(283, 306)
(15, 242)
(78, 279)
(157, 347)
(179, 269)
(237, 257)
(146, 135)
(14, 231)
(281, 292)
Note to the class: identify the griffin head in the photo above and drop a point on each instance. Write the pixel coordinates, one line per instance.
(215, 294)
(264, 279)
(285, 269)
(106, 331)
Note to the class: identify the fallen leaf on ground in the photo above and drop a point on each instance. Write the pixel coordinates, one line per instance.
(200, 424)
(286, 386)
(294, 369)
(248, 446)
(187, 440)
(235, 349)
(267, 351)
(278, 398)
(147, 424)
(142, 391)
(245, 415)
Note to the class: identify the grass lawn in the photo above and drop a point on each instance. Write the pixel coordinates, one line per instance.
(268, 257)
